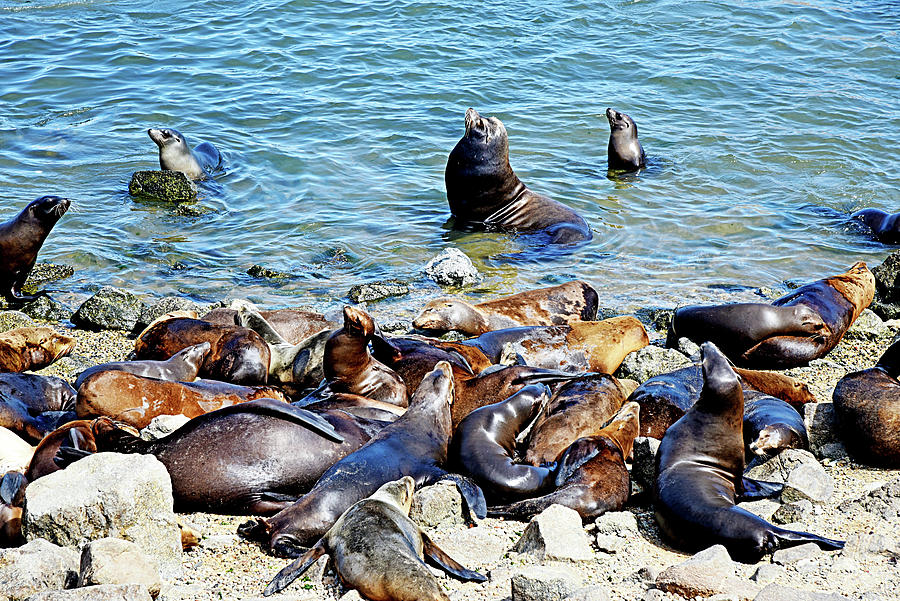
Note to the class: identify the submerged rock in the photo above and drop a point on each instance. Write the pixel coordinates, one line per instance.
(43, 273)
(373, 291)
(258, 271)
(451, 267)
(172, 186)
(110, 309)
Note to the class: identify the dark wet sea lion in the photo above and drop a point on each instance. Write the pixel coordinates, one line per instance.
(577, 409)
(795, 329)
(136, 400)
(25, 397)
(12, 499)
(484, 445)
(771, 426)
(21, 239)
(483, 190)
(76, 434)
(699, 467)
(591, 475)
(376, 549)
(349, 366)
(237, 355)
(293, 325)
(354, 404)
(624, 150)
(412, 358)
(885, 226)
(31, 348)
(176, 155)
(867, 404)
(414, 445)
(183, 366)
(556, 305)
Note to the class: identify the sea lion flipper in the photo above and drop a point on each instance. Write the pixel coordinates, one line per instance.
(252, 319)
(292, 413)
(578, 453)
(66, 456)
(443, 561)
(295, 569)
(792, 538)
(759, 489)
(475, 503)
(12, 488)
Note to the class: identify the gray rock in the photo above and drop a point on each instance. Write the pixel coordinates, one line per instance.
(610, 543)
(163, 425)
(35, 567)
(647, 574)
(883, 501)
(766, 573)
(258, 271)
(709, 572)
(171, 186)
(808, 481)
(797, 511)
(832, 450)
(885, 310)
(545, 583)
(887, 278)
(868, 326)
(555, 533)
(107, 495)
(689, 348)
(643, 364)
(9, 320)
(795, 554)
(45, 308)
(777, 592)
(657, 318)
(109, 309)
(437, 506)
(167, 304)
(643, 466)
(451, 267)
(764, 508)
(117, 561)
(373, 291)
(779, 467)
(103, 592)
(44, 273)
(619, 523)
(860, 544)
(589, 593)
(821, 425)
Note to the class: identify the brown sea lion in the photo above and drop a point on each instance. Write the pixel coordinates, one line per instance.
(12, 500)
(176, 155)
(25, 399)
(77, 434)
(624, 150)
(556, 305)
(591, 476)
(30, 348)
(293, 325)
(237, 355)
(412, 358)
(792, 331)
(350, 367)
(183, 366)
(577, 409)
(21, 239)
(771, 426)
(699, 467)
(353, 404)
(376, 549)
(885, 226)
(136, 400)
(483, 191)
(867, 404)
(781, 386)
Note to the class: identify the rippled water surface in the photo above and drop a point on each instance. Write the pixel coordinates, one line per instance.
(765, 123)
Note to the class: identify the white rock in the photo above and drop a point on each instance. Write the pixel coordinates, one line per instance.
(451, 267)
(556, 533)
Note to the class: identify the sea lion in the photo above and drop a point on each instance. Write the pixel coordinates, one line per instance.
(136, 400)
(624, 150)
(771, 426)
(792, 331)
(353, 404)
(483, 190)
(556, 305)
(77, 434)
(26, 398)
(484, 445)
(376, 549)
(293, 325)
(350, 367)
(31, 348)
(183, 366)
(885, 226)
(15, 453)
(12, 500)
(237, 355)
(699, 467)
(867, 405)
(414, 445)
(591, 475)
(176, 155)
(580, 408)
(412, 358)
(21, 239)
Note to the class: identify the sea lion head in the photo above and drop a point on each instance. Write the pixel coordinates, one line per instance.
(625, 427)
(398, 493)
(771, 439)
(444, 314)
(167, 138)
(46, 209)
(621, 122)
(486, 131)
(719, 382)
(196, 354)
(358, 322)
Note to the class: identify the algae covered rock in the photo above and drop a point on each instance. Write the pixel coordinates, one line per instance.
(110, 309)
(173, 186)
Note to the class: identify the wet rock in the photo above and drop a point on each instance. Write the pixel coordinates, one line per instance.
(794, 554)
(9, 320)
(883, 501)
(798, 511)
(103, 592)
(886, 311)
(887, 278)
(868, 326)
(610, 543)
(45, 308)
(808, 481)
(767, 573)
(555, 533)
(777, 592)
(451, 267)
(821, 425)
(168, 304)
(709, 572)
(619, 523)
(589, 593)
(171, 186)
(437, 505)
(656, 318)
(643, 364)
(643, 466)
(779, 467)
(43, 273)
(163, 425)
(107, 495)
(545, 583)
(117, 561)
(396, 326)
(861, 544)
(689, 348)
(373, 291)
(35, 567)
(109, 309)
(258, 271)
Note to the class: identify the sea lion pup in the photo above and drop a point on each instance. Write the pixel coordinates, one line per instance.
(483, 190)
(15, 453)
(414, 445)
(484, 445)
(12, 499)
(183, 366)
(31, 348)
(176, 155)
(377, 550)
(885, 226)
(792, 331)
(867, 404)
(624, 150)
(591, 475)
(556, 305)
(237, 355)
(21, 239)
(26, 399)
(771, 426)
(350, 367)
(699, 469)
(577, 409)
(77, 434)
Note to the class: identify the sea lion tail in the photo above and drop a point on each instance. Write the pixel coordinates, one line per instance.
(520, 510)
(295, 569)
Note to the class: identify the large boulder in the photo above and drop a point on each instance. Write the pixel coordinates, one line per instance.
(35, 567)
(709, 572)
(118, 561)
(643, 364)
(109, 309)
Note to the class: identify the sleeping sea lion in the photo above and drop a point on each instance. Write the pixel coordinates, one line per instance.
(176, 155)
(31, 348)
(293, 325)
(183, 366)
(624, 150)
(27, 399)
(76, 434)
(771, 426)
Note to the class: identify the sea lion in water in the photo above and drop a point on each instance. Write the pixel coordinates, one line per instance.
(31, 348)
(176, 155)
(21, 239)
(699, 467)
(771, 426)
(867, 404)
(377, 550)
(792, 331)
(625, 150)
(885, 226)
(183, 366)
(483, 190)
(556, 305)
(591, 475)
(26, 399)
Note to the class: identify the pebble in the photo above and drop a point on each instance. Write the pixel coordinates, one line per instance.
(794, 554)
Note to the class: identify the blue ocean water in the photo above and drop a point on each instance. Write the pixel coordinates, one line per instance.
(766, 124)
